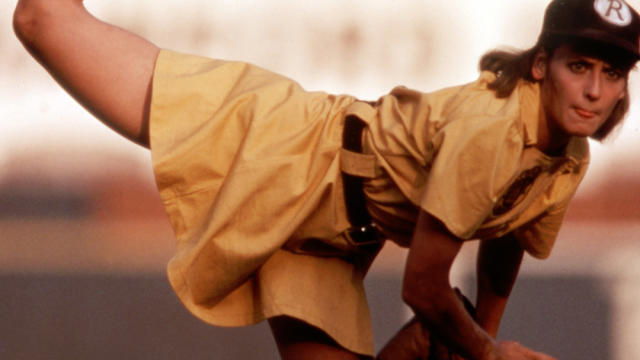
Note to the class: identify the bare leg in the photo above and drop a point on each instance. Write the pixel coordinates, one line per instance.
(298, 340)
(106, 69)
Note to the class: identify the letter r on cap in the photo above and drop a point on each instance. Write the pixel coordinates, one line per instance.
(615, 5)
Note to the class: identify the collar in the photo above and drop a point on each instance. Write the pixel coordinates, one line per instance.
(577, 148)
(530, 113)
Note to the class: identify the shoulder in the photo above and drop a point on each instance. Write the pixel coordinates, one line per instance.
(473, 111)
(476, 98)
(447, 104)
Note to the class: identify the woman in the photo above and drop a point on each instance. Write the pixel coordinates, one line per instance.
(280, 198)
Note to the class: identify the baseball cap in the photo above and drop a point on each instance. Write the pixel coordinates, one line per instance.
(609, 22)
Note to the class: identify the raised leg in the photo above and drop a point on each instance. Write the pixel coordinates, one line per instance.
(106, 69)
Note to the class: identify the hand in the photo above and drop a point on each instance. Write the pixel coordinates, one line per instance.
(415, 341)
(440, 351)
(511, 350)
(411, 342)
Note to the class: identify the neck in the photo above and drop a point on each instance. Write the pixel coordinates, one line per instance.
(550, 139)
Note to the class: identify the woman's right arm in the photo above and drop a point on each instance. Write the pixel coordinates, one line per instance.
(427, 290)
(106, 69)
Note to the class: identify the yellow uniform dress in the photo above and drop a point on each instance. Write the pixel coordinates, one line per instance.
(249, 164)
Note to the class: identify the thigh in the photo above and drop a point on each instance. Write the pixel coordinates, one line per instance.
(298, 340)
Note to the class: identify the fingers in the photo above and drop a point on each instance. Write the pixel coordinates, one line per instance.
(512, 350)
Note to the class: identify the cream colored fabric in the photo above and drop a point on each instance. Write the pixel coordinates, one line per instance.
(473, 164)
(248, 167)
(246, 161)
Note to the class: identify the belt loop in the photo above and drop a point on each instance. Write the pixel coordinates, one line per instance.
(352, 134)
(363, 230)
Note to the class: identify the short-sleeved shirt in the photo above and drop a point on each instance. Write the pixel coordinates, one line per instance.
(248, 165)
(469, 159)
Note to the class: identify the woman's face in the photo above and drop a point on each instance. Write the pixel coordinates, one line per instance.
(578, 92)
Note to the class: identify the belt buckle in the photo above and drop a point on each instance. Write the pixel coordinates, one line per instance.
(363, 235)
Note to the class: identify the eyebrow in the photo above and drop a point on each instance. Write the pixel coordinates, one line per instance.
(611, 60)
(576, 56)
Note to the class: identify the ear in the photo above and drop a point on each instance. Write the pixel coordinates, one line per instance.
(539, 66)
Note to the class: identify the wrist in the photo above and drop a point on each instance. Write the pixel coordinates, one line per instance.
(491, 328)
(490, 351)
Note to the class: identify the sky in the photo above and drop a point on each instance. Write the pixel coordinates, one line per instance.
(359, 47)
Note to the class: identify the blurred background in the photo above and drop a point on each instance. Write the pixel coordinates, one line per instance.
(84, 238)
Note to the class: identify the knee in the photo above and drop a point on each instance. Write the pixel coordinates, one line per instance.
(31, 17)
(24, 18)
(27, 19)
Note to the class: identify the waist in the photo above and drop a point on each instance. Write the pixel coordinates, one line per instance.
(364, 232)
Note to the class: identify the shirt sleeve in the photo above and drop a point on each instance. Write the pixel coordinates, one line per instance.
(538, 236)
(476, 157)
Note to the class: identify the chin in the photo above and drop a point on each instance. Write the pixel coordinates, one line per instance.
(582, 129)
(579, 132)
(582, 133)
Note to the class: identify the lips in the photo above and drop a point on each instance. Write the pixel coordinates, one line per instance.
(585, 113)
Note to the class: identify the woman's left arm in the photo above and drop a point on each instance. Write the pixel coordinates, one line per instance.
(497, 268)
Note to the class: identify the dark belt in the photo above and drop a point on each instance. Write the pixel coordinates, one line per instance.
(363, 231)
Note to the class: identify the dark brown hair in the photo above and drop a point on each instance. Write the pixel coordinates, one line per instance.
(511, 66)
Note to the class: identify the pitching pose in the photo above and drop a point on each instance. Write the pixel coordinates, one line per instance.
(281, 198)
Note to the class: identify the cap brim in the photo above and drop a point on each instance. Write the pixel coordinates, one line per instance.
(602, 38)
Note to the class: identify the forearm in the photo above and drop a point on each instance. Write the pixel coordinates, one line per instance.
(427, 291)
(489, 311)
(497, 268)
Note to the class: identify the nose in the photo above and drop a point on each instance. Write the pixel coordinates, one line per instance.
(593, 86)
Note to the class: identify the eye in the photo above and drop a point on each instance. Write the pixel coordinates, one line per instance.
(578, 66)
(613, 74)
